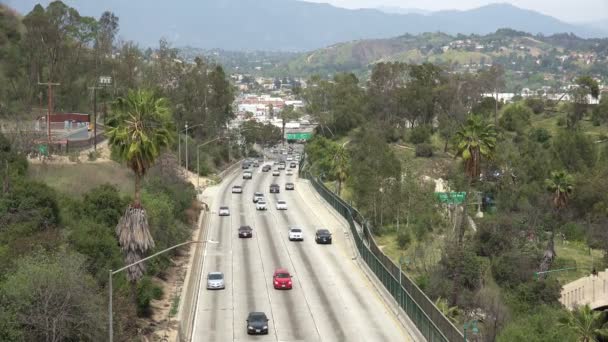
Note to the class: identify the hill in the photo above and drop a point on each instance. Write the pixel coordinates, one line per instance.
(535, 58)
(290, 25)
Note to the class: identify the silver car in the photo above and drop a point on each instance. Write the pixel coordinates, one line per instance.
(215, 281)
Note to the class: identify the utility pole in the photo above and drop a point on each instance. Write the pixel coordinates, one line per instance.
(50, 109)
(94, 116)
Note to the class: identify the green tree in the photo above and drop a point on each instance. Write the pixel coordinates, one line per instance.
(52, 298)
(287, 114)
(587, 324)
(139, 128)
(475, 139)
(560, 185)
(515, 117)
(340, 165)
(585, 87)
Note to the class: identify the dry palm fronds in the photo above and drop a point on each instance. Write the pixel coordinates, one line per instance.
(134, 238)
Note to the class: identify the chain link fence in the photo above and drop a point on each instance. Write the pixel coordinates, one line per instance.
(431, 323)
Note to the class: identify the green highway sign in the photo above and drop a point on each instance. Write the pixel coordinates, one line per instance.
(451, 197)
(299, 136)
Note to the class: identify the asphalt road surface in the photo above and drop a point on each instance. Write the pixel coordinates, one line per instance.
(331, 299)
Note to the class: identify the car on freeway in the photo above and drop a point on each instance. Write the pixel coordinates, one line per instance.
(275, 189)
(289, 158)
(245, 165)
(293, 165)
(282, 166)
(261, 205)
(266, 168)
(237, 189)
(289, 173)
(289, 186)
(257, 323)
(295, 234)
(261, 160)
(257, 196)
(215, 281)
(281, 205)
(224, 211)
(276, 173)
(323, 236)
(245, 232)
(281, 279)
(247, 175)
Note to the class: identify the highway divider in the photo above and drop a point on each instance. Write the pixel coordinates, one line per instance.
(431, 322)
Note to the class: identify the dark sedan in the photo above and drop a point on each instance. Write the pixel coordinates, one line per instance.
(245, 232)
(257, 323)
(323, 236)
(289, 186)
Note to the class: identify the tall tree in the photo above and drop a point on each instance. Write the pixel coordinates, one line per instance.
(476, 139)
(139, 128)
(287, 114)
(585, 87)
(340, 166)
(560, 185)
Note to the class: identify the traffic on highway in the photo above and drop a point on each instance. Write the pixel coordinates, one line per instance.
(283, 267)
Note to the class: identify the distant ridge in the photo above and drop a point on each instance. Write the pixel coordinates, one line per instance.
(291, 25)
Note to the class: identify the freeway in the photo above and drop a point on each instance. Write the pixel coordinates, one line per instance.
(331, 299)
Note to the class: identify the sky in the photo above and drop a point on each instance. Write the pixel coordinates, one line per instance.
(573, 11)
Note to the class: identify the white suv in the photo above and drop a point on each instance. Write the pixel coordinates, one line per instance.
(224, 211)
(281, 205)
(260, 204)
(296, 234)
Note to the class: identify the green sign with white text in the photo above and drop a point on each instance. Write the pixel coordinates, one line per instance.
(451, 197)
(299, 136)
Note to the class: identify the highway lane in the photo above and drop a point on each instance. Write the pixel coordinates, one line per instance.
(331, 299)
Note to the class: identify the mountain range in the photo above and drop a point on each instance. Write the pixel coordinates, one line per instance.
(291, 25)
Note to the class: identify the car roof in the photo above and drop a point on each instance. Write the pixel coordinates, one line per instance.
(258, 193)
(224, 207)
(236, 186)
(216, 273)
(257, 314)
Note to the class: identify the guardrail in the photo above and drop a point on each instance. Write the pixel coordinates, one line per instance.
(189, 295)
(431, 323)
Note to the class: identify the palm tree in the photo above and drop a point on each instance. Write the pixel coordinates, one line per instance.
(476, 139)
(586, 323)
(139, 128)
(339, 165)
(560, 186)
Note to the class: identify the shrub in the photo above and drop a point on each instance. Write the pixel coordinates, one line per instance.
(536, 105)
(420, 134)
(424, 150)
(146, 292)
(540, 135)
(93, 155)
(561, 122)
(404, 239)
(515, 117)
(574, 231)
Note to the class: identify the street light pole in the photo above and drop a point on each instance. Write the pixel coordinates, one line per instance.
(111, 273)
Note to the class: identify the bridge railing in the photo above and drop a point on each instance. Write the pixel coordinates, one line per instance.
(431, 323)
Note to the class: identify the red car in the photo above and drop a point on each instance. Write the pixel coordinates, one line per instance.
(281, 279)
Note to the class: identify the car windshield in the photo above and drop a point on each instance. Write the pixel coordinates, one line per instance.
(324, 232)
(281, 202)
(296, 230)
(223, 208)
(282, 275)
(216, 276)
(259, 194)
(237, 186)
(257, 317)
(262, 202)
(245, 228)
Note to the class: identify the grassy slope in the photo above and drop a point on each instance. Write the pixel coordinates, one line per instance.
(76, 179)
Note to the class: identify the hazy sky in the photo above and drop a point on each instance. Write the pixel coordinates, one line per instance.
(567, 10)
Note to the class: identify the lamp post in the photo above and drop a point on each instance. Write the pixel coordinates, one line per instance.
(111, 273)
(198, 161)
(179, 143)
(471, 324)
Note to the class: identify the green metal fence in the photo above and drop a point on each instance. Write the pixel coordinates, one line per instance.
(431, 323)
